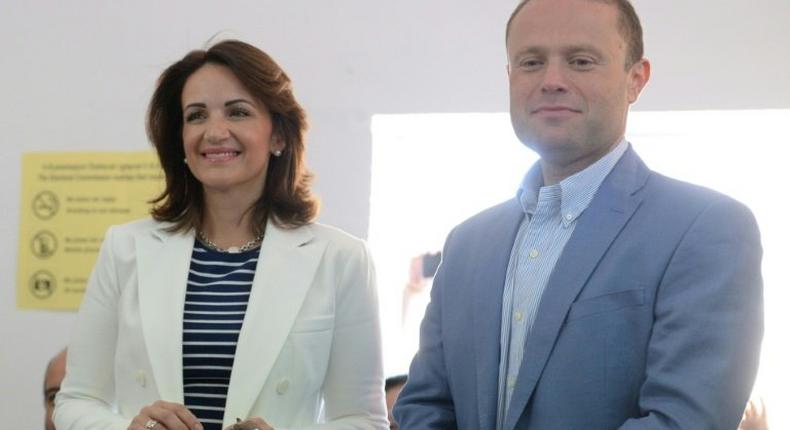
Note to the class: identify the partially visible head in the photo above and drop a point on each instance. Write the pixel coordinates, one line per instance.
(629, 26)
(392, 388)
(286, 196)
(56, 370)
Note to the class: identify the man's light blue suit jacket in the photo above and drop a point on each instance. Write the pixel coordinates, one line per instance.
(652, 317)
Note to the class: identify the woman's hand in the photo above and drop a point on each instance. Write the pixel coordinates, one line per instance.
(255, 423)
(163, 415)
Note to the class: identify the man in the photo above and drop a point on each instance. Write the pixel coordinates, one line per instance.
(392, 388)
(56, 370)
(604, 295)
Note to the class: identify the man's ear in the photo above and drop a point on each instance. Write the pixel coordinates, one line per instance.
(638, 75)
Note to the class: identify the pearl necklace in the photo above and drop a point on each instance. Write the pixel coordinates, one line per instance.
(232, 249)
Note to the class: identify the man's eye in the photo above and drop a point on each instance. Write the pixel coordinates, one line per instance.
(530, 64)
(582, 63)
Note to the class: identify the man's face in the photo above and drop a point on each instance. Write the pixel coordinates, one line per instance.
(569, 85)
(54, 376)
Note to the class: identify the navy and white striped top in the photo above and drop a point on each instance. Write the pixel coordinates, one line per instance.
(218, 290)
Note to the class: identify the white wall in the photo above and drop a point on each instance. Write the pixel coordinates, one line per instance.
(77, 76)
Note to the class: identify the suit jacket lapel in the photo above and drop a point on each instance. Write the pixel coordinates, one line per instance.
(489, 282)
(162, 267)
(610, 209)
(286, 268)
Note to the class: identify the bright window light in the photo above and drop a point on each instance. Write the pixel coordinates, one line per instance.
(431, 171)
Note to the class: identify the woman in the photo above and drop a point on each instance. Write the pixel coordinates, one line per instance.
(229, 308)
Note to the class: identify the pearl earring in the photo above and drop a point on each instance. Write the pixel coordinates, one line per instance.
(277, 153)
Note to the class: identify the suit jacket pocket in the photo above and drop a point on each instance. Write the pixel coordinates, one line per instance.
(313, 323)
(607, 303)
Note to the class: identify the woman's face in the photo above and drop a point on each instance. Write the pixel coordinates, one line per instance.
(227, 133)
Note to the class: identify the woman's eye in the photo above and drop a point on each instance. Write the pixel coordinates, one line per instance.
(239, 112)
(194, 116)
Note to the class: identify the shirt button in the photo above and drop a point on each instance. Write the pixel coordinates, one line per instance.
(140, 378)
(282, 386)
(519, 316)
(568, 216)
(511, 382)
(533, 253)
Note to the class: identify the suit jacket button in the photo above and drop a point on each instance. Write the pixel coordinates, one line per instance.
(140, 377)
(282, 386)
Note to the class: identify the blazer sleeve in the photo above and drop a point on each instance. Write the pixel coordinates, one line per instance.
(704, 350)
(425, 401)
(87, 392)
(353, 388)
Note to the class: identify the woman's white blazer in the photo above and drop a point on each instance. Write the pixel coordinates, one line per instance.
(309, 349)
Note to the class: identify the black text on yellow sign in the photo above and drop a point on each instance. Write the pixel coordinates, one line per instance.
(68, 201)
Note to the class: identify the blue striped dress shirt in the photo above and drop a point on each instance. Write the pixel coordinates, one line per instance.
(550, 218)
(218, 290)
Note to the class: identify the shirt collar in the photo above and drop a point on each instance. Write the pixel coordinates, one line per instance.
(577, 190)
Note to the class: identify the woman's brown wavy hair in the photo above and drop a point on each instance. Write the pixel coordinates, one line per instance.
(286, 198)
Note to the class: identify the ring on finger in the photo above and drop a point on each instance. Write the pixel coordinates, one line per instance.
(151, 424)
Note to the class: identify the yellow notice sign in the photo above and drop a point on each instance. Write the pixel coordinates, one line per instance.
(68, 201)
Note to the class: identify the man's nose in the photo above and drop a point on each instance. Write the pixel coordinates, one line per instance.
(554, 78)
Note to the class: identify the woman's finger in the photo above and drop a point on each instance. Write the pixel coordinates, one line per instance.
(163, 415)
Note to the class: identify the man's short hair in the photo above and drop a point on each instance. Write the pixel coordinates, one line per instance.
(394, 381)
(628, 24)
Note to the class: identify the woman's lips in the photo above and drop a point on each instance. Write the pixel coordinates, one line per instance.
(216, 156)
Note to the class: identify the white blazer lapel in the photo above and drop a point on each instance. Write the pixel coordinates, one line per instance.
(162, 265)
(286, 268)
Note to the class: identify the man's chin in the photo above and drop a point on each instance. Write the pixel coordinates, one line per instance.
(549, 143)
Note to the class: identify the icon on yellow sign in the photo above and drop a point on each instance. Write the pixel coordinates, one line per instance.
(42, 284)
(45, 205)
(44, 244)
